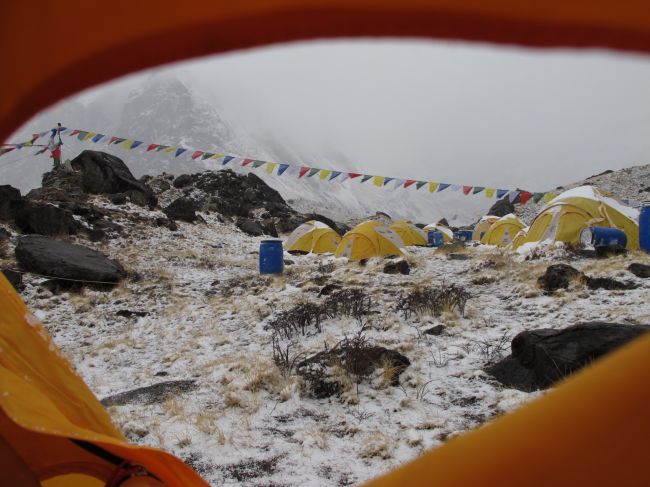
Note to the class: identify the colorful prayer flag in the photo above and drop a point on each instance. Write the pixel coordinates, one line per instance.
(365, 178)
(442, 187)
(179, 151)
(433, 186)
(303, 170)
(537, 197)
(226, 160)
(489, 192)
(196, 154)
(378, 181)
(477, 189)
(270, 166)
(408, 183)
(282, 168)
(334, 175)
(324, 173)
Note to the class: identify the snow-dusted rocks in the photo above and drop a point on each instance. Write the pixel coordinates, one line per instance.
(183, 209)
(542, 357)
(558, 276)
(57, 259)
(639, 270)
(397, 267)
(152, 394)
(103, 173)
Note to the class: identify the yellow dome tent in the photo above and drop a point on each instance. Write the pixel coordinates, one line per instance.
(447, 234)
(564, 217)
(409, 233)
(502, 231)
(369, 239)
(483, 226)
(313, 236)
(519, 239)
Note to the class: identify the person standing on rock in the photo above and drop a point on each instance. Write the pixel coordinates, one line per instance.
(54, 146)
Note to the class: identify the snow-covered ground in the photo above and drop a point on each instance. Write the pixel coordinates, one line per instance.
(247, 422)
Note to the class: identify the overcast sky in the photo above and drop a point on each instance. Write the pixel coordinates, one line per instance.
(455, 112)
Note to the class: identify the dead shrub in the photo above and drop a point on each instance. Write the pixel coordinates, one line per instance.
(433, 301)
(355, 303)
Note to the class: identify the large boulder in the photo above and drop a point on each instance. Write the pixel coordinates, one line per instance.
(44, 219)
(251, 227)
(9, 199)
(103, 173)
(55, 258)
(639, 270)
(183, 209)
(542, 357)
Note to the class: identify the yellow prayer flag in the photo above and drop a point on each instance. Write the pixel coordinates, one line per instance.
(378, 181)
(548, 197)
(489, 192)
(433, 187)
(270, 166)
(126, 143)
(216, 156)
(324, 173)
(89, 136)
(170, 149)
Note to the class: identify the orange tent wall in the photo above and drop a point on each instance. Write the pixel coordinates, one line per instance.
(50, 50)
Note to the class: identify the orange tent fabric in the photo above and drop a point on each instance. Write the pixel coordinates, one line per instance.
(45, 405)
(50, 50)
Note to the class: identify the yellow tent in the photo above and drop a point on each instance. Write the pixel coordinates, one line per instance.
(369, 239)
(503, 230)
(313, 236)
(519, 239)
(409, 233)
(483, 226)
(447, 234)
(52, 428)
(569, 213)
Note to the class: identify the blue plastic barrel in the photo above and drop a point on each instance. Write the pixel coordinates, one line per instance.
(271, 257)
(463, 235)
(435, 238)
(644, 228)
(603, 237)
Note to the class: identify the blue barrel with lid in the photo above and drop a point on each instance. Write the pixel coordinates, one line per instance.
(271, 257)
(435, 238)
(603, 237)
(463, 235)
(644, 228)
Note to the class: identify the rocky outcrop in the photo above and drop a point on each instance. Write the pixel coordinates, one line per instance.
(542, 357)
(44, 219)
(57, 259)
(102, 173)
(10, 198)
(183, 209)
(153, 394)
(397, 267)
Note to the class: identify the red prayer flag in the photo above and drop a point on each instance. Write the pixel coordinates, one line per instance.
(197, 154)
(246, 162)
(113, 139)
(150, 147)
(408, 182)
(524, 196)
(467, 189)
(74, 132)
(353, 175)
(303, 171)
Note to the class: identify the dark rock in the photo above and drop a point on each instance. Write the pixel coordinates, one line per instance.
(288, 262)
(329, 289)
(397, 267)
(127, 313)
(608, 283)
(443, 221)
(15, 278)
(59, 185)
(148, 395)
(268, 227)
(542, 357)
(95, 234)
(639, 270)
(58, 286)
(558, 276)
(167, 223)
(359, 362)
(44, 219)
(251, 227)
(182, 181)
(103, 173)
(435, 330)
(502, 207)
(118, 199)
(4, 234)
(183, 209)
(458, 256)
(9, 198)
(604, 251)
(58, 259)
